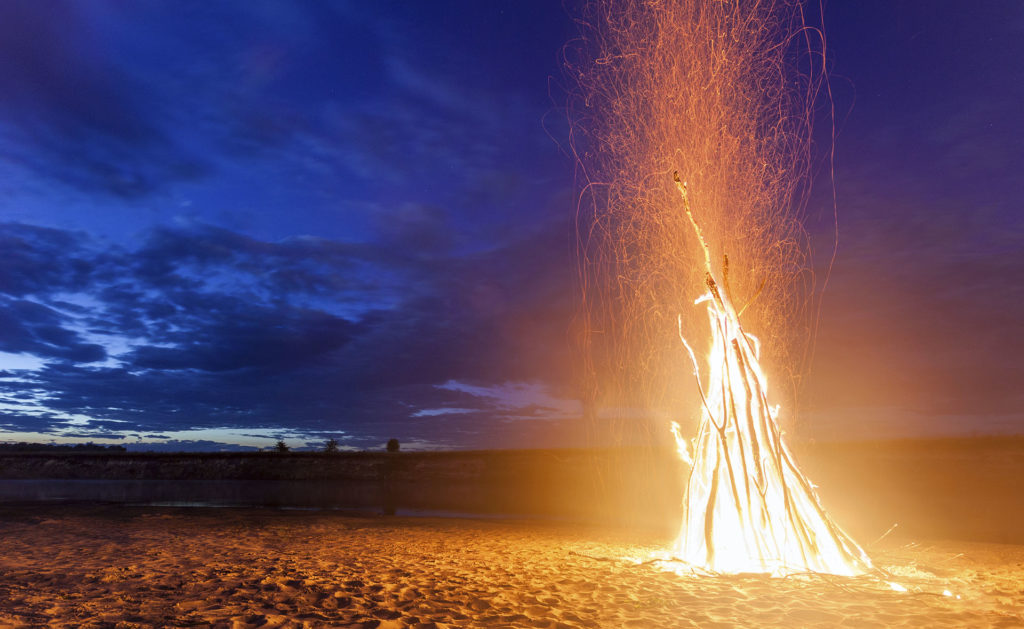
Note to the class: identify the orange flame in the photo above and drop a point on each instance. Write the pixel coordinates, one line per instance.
(748, 507)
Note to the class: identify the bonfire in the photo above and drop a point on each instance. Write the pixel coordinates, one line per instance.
(748, 508)
(720, 93)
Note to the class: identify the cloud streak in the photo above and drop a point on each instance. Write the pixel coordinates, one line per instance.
(205, 327)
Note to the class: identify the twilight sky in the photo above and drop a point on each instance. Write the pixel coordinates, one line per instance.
(225, 223)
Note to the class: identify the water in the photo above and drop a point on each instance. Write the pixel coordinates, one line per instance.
(360, 496)
(198, 493)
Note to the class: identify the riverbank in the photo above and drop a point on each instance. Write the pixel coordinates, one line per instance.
(623, 487)
(949, 488)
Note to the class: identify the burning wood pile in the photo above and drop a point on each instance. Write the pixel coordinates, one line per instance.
(747, 507)
(724, 92)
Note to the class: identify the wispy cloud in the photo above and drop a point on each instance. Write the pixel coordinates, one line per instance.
(199, 327)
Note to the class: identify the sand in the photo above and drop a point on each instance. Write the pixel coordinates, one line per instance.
(139, 567)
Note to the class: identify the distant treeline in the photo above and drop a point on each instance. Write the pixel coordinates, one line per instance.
(53, 447)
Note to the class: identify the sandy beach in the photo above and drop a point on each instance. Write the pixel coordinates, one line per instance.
(141, 567)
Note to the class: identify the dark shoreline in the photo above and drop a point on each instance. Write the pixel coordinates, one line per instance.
(939, 488)
(585, 485)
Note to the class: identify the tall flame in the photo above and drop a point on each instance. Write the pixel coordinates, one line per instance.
(724, 91)
(748, 507)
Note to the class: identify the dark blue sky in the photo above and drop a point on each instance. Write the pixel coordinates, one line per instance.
(223, 223)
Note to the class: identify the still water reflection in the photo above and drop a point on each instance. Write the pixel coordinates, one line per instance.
(364, 496)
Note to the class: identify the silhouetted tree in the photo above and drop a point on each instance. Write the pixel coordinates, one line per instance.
(331, 447)
(393, 445)
(281, 447)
